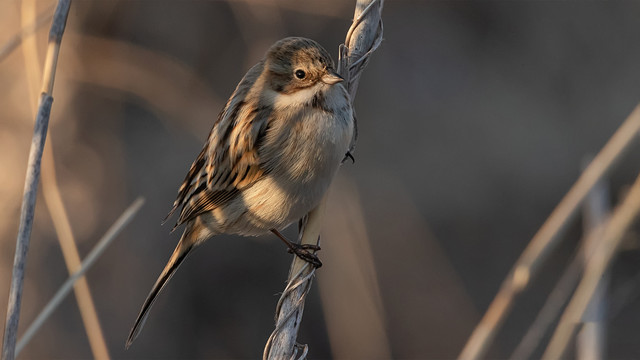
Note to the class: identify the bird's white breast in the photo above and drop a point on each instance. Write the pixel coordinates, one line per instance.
(311, 143)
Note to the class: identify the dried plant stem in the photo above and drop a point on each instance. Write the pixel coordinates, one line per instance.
(91, 258)
(26, 31)
(607, 245)
(591, 340)
(53, 199)
(595, 212)
(54, 203)
(281, 343)
(31, 55)
(31, 181)
(24, 231)
(547, 237)
(550, 310)
(364, 36)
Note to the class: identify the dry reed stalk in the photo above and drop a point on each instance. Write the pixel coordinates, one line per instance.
(95, 253)
(66, 239)
(54, 203)
(603, 254)
(549, 312)
(595, 212)
(591, 340)
(32, 179)
(26, 32)
(548, 237)
(363, 38)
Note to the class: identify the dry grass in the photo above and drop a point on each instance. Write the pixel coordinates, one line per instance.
(474, 120)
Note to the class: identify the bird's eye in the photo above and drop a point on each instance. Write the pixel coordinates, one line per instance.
(300, 74)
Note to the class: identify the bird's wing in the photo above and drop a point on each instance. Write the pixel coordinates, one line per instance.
(229, 161)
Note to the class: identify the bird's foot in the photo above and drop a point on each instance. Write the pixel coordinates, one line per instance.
(302, 251)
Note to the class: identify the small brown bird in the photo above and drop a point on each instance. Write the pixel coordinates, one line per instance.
(270, 156)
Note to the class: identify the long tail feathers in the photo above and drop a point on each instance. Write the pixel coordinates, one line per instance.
(179, 254)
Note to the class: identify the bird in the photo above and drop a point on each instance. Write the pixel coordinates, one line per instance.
(269, 158)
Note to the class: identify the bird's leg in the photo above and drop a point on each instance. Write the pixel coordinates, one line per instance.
(301, 250)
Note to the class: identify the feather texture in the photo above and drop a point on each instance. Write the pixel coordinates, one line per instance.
(229, 160)
(270, 156)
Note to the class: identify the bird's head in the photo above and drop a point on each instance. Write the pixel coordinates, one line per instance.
(297, 63)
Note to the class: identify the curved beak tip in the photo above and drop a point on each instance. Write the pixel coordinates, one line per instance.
(332, 78)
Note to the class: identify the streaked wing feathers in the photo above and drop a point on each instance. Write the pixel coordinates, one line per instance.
(204, 201)
(229, 161)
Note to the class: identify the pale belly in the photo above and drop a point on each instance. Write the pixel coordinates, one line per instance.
(294, 187)
(304, 154)
(272, 204)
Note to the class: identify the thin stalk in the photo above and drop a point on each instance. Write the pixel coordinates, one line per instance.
(364, 36)
(53, 198)
(26, 32)
(592, 339)
(547, 238)
(91, 258)
(31, 181)
(607, 246)
(595, 212)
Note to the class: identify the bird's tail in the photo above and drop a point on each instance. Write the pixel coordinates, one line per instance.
(181, 251)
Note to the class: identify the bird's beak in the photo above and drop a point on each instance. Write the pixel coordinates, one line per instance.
(331, 78)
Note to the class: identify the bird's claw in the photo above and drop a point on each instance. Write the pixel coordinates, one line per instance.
(302, 251)
(348, 155)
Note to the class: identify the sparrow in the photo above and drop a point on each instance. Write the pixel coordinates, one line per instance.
(269, 158)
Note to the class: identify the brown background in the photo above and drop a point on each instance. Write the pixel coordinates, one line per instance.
(475, 118)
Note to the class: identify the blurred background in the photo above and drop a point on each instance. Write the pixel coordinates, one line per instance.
(475, 118)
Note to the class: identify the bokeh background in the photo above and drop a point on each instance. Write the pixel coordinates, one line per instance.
(475, 118)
